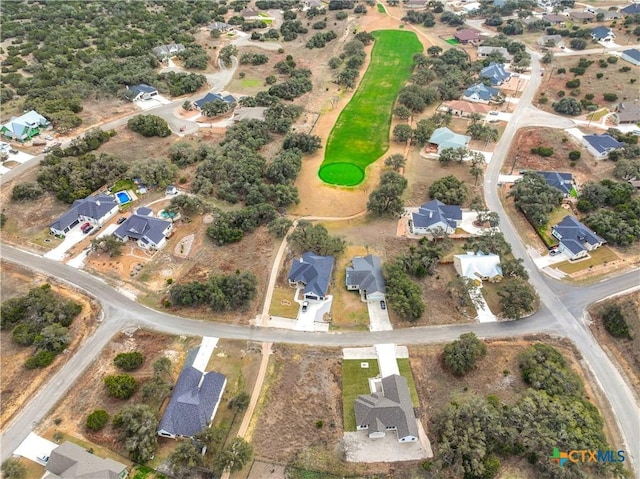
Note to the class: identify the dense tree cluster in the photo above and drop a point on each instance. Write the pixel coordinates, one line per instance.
(450, 190)
(403, 295)
(461, 355)
(615, 322)
(535, 197)
(138, 426)
(149, 125)
(315, 237)
(489, 242)
(230, 227)
(386, 199)
(517, 298)
(422, 259)
(320, 39)
(181, 83)
(220, 293)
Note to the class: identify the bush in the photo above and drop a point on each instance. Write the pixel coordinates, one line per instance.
(129, 361)
(575, 83)
(542, 151)
(120, 386)
(574, 155)
(614, 322)
(149, 125)
(26, 191)
(13, 469)
(97, 420)
(568, 106)
(610, 97)
(460, 356)
(41, 359)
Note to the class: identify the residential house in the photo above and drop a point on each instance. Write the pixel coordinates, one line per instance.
(194, 401)
(435, 215)
(495, 73)
(464, 108)
(478, 266)
(388, 409)
(550, 40)
(633, 9)
(250, 14)
(467, 35)
(168, 51)
(140, 92)
(600, 145)
(561, 181)
(93, 209)
(480, 93)
(171, 191)
(627, 113)
(555, 19)
(365, 275)
(148, 232)
(445, 138)
(415, 4)
(603, 34)
(209, 97)
(632, 56)
(471, 7)
(576, 240)
(582, 17)
(608, 15)
(24, 127)
(313, 4)
(70, 461)
(220, 26)
(249, 113)
(313, 273)
(499, 3)
(485, 51)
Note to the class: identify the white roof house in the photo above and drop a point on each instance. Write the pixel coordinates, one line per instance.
(478, 266)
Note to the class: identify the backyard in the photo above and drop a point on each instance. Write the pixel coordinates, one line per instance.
(361, 133)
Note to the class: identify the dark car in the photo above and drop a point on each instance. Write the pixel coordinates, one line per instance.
(87, 230)
(121, 220)
(554, 252)
(383, 305)
(13, 152)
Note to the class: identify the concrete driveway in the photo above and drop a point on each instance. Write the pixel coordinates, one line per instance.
(312, 318)
(72, 238)
(35, 448)
(378, 317)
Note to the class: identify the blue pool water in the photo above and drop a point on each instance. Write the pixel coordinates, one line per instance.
(165, 215)
(123, 197)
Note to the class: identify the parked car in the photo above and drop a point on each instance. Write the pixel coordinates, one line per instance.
(554, 252)
(121, 220)
(85, 226)
(383, 305)
(305, 306)
(88, 230)
(13, 152)
(493, 113)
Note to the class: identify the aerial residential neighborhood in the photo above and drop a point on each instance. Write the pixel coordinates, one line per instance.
(317, 239)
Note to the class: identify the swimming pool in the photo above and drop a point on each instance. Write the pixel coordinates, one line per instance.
(123, 197)
(165, 215)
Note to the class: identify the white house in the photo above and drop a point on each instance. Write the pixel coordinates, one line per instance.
(478, 266)
(93, 209)
(600, 145)
(140, 92)
(148, 232)
(576, 240)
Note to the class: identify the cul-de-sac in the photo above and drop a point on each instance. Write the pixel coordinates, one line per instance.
(320, 239)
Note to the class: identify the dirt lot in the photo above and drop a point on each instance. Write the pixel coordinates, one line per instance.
(18, 383)
(625, 352)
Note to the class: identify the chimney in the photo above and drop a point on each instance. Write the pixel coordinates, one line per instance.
(430, 214)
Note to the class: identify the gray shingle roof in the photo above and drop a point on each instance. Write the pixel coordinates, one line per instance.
(365, 273)
(628, 112)
(142, 227)
(195, 397)
(495, 72)
(143, 88)
(600, 32)
(390, 408)
(561, 181)
(70, 461)
(483, 91)
(632, 53)
(574, 235)
(603, 143)
(633, 9)
(436, 211)
(211, 97)
(313, 271)
(94, 207)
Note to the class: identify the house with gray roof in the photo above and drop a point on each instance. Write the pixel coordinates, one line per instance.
(148, 232)
(603, 34)
(480, 93)
(70, 461)
(550, 40)
(582, 16)
(627, 113)
(24, 127)
(633, 9)
(140, 92)
(554, 19)
(445, 138)
(194, 401)
(495, 73)
(485, 51)
(576, 240)
(249, 113)
(168, 51)
(388, 409)
(561, 181)
(312, 273)
(93, 209)
(632, 56)
(600, 145)
(608, 15)
(220, 26)
(435, 215)
(365, 275)
(211, 97)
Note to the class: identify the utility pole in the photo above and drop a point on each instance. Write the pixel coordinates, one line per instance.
(515, 160)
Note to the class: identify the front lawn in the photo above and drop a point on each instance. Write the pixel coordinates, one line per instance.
(602, 255)
(361, 134)
(355, 381)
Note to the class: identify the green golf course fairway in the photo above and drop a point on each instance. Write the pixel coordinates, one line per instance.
(361, 133)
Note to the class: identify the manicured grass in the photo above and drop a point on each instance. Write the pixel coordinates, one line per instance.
(251, 82)
(355, 381)
(602, 255)
(123, 185)
(361, 133)
(453, 41)
(405, 370)
(597, 115)
(381, 8)
(282, 303)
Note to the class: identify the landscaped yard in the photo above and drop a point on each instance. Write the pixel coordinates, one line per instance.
(355, 381)
(361, 133)
(381, 8)
(602, 255)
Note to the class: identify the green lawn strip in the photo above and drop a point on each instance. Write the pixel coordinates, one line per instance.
(355, 381)
(123, 185)
(381, 8)
(361, 133)
(405, 370)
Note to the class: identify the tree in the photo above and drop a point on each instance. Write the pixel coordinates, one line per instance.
(13, 469)
(234, 457)
(627, 169)
(128, 361)
(215, 108)
(543, 367)
(41, 359)
(303, 142)
(54, 338)
(450, 190)
(138, 431)
(403, 295)
(486, 216)
(226, 54)
(184, 459)
(490, 241)
(97, 420)
(460, 356)
(614, 321)
(535, 197)
(568, 106)
(154, 171)
(402, 133)
(514, 268)
(462, 291)
(516, 298)
(402, 112)
(316, 238)
(449, 155)
(120, 386)
(149, 125)
(27, 191)
(578, 44)
(162, 367)
(434, 50)
(280, 226)
(476, 172)
(387, 198)
(155, 390)
(108, 244)
(395, 162)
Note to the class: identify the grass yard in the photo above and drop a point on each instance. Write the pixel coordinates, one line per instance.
(602, 255)
(355, 381)
(282, 303)
(405, 370)
(361, 133)
(381, 8)
(452, 41)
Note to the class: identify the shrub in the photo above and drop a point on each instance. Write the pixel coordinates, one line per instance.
(542, 151)
(41, 359)
(97, 420)
(460, 356)
(129, 361)
(120, 386)
(624, 69)
(614, 322)
(575, 83)
(574, 155)
(26, 191)
(599, 75)
(149, 125)
(610, 97)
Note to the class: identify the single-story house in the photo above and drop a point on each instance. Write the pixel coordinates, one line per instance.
(603, 34)
(415, 4)
(94, 209)
(485, 51)
(627, 113)
(24, 127)
(471, 7)
(561, 181)
(140, 92)
(499, 3)
(70, 461)
(249, 113)
(576, 240)
(250, 14)
(313, 4)
(168, 51)
(633, 9)
(445, 138)
(582, 17)
(365, 275)
(434, 215)
(209, 97)
(600, 145)
(194, 401)
(467, 35)
(554, 19)
(313, 272)
(609, 15)
(550, 40)
(464, 108)
(389, 409)
(171, 190)
(480, 93)
(147, 231)
(632, 56)
(496, 73)
(478, 266)
(220, 26)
